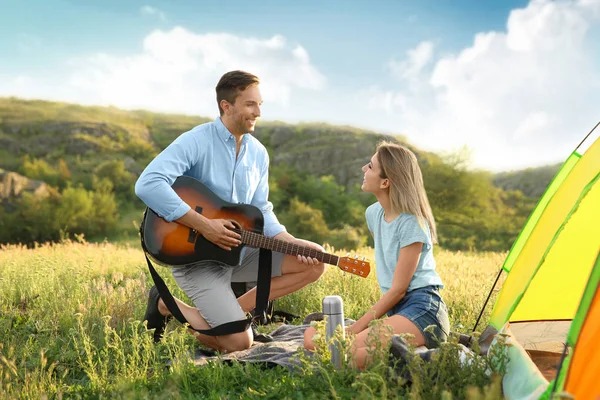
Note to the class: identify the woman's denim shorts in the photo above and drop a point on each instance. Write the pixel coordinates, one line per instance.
(424, 307)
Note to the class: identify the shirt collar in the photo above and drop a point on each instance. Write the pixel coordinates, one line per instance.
(224, 133)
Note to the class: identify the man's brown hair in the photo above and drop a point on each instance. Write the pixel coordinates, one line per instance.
(231, 84)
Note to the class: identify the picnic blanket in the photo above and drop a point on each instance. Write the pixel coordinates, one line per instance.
(282, 351)
(288, 341)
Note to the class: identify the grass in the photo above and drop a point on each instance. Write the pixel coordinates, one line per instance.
(70, 328)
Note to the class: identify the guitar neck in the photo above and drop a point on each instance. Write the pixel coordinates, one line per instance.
(281, 246)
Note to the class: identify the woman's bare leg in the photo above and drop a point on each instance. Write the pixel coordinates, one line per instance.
(394, 325)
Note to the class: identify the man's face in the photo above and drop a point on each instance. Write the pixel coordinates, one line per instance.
(245, 110)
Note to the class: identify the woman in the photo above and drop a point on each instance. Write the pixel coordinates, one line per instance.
(403, 229)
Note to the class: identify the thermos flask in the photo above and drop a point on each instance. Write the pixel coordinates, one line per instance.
(333, 308)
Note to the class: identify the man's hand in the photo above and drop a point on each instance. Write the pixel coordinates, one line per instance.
(306, 243)
(219, 232)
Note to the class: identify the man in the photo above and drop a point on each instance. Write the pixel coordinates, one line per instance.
(234, 165)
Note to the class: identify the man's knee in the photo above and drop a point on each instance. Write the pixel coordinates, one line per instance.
(236, 341)
(315, 271)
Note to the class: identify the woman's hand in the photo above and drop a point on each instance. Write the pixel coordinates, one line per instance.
(351, 330)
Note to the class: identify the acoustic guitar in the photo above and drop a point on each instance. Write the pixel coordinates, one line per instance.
(175, 245)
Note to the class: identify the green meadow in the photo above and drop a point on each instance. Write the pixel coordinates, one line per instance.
(70, 327)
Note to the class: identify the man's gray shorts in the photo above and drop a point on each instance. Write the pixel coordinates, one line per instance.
(209, 285)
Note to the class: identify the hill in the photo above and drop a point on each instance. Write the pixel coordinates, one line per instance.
(85, 137)
(95, 154)
(532, 182)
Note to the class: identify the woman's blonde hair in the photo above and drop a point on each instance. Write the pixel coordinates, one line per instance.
(407, 192)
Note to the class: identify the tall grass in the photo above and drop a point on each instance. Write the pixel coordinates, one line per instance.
(70, 328)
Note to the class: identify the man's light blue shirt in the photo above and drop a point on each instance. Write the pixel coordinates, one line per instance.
(390, 237)
(207, 153)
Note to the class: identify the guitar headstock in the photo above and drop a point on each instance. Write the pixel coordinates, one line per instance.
(355, 266)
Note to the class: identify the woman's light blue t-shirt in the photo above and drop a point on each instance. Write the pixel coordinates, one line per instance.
(389, 239)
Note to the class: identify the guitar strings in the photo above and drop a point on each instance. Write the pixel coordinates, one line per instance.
(256, 238)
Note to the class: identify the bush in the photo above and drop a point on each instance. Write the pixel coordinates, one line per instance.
(305, 222)
(32, 219)
(141, 151)
(122, 180)
(346, 238)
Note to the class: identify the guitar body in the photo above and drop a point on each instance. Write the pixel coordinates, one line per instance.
(176, 245)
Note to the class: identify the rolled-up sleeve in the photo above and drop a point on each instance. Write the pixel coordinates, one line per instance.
(261, 200)
(153, 186)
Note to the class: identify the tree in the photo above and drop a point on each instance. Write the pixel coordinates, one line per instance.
(304, 221)
(123, 181)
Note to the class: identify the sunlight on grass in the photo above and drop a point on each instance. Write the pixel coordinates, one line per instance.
(467, 277)
(70, 327)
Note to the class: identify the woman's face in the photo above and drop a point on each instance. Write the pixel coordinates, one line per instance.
(372, 181)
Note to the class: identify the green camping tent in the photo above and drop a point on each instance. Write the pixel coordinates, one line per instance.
(549, 302)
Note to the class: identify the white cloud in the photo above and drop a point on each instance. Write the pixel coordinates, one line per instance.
(177, 71)
(518, 97)
(416, 60)
(149, 10)
(533, 126)
(21, 80)
(527, 95)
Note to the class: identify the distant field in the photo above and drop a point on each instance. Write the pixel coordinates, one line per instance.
(70, 327)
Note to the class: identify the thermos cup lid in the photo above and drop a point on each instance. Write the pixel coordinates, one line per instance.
(333, 305)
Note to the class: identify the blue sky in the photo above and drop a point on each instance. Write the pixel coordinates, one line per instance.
(515, 82)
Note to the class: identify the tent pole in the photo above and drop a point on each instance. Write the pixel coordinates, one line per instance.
(586, 136)
(562, 359)
(486, 300)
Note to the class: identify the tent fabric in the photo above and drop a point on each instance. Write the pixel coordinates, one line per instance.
(566, 234)
(550, 299)
(541, 335)
(571, 257)
(583, 368)
(560, 177)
